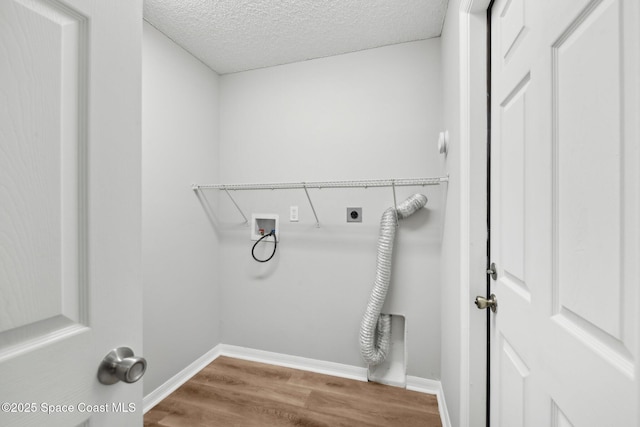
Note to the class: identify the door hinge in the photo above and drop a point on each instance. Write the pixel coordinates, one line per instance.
(493, 271)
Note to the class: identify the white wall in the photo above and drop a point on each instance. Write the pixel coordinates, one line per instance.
(369, 114)
(450, 285)
(180, 246)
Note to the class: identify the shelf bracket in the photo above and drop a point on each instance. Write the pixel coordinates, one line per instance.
(304, 186)
(246, 221)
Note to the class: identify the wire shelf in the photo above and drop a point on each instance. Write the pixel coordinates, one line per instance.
(402, 182)
(365, 183)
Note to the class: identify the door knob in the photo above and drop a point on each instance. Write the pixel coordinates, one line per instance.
(491, 303)
(120, 364)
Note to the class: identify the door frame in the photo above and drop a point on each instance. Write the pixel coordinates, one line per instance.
(473, 210)
(488, 267)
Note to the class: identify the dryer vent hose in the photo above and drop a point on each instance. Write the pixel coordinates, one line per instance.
(375, 330)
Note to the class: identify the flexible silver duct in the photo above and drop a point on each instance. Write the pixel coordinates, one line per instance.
(375, 330)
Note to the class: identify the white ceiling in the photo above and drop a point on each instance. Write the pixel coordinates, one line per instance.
(239, 35)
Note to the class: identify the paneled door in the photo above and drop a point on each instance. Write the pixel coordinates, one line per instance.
(565, 213)
(70, 280)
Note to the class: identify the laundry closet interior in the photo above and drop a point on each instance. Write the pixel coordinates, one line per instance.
(309, 139)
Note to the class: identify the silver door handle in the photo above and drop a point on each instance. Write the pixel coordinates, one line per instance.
(120, 364)
(491, 303)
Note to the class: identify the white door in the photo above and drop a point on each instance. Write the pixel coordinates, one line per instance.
(70, 281)
(565, 213)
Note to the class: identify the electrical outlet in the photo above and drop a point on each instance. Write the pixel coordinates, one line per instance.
(354, 214)
(293, 213)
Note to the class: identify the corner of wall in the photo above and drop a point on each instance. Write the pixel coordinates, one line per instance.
(180, 134)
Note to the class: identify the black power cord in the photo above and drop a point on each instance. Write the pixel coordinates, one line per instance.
(275, 246)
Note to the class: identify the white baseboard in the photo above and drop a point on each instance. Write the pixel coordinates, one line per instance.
(172, 384)
(424, 385)
(296, 362)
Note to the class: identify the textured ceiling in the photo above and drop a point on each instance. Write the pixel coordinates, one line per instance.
(239, 35)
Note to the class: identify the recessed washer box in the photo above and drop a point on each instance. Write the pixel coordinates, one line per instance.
(266, 222)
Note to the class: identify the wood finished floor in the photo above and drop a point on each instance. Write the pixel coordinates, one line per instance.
(234, 392)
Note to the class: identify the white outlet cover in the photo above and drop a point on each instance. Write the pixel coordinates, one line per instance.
(293, 213)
